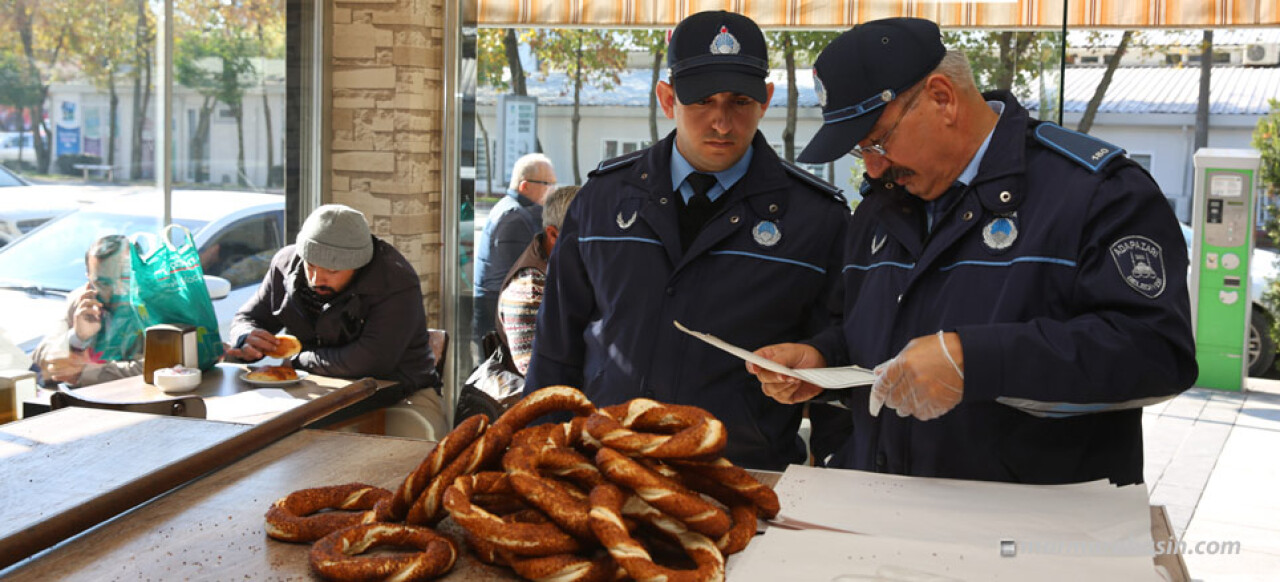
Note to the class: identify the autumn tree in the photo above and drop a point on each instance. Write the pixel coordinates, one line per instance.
(144, 42)
(103, 49)
(44, 29)
(585, 56)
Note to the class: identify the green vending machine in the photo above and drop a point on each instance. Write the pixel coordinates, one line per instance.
(1222, 222)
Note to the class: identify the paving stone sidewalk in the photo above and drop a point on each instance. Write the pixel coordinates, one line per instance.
(1213, 461)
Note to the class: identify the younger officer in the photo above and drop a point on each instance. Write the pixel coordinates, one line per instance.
(1021, 286)
(707, 227)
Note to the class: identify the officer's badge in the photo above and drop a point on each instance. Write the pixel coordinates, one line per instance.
(625, 223)
(1000, 233)
(725, 43)
(766, 233)
(1141, 264)
(820, 89)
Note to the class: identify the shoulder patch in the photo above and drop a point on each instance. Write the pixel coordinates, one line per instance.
(815, 182)
(619, 162)
(1086, 150)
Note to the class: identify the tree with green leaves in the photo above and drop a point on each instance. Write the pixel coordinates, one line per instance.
(192, 53)
(223, 47)
(1008, 60)
(655, 42)
(1266, 139)
(18, 89)
(586, 56)
(797, 46)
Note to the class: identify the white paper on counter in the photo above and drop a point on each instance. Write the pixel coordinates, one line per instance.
(978, 513)
(249, 404)
(822, 555)
(832, 378)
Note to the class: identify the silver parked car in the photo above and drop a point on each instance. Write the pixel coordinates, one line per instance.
(236, 232)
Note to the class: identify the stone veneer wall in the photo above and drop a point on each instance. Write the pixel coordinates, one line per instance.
(386, 159)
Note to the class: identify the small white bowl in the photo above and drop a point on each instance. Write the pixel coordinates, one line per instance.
(177, 379)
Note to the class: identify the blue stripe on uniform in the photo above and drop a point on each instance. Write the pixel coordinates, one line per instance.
(907, 266)
(1049, 260)
(769, 258)
(620, 239)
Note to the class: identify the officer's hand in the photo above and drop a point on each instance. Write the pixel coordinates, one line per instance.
(87, 316)
(788, 389)
(925, 379)
(256, 345)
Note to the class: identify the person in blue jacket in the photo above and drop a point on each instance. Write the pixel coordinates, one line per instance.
(750, 256)
(1020, 288)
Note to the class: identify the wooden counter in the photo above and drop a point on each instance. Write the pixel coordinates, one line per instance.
(213, 528)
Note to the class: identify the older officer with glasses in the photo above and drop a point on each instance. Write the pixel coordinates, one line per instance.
(706, 227)
(1019, 288)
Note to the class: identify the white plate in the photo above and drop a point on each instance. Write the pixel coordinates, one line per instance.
(301, 376)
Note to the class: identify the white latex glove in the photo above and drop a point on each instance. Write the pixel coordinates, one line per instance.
(925, 379)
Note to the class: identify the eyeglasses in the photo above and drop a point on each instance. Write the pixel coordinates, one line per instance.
(547, 184)
(877, 146)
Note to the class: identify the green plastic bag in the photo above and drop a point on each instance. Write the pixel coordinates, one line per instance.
(168, 287)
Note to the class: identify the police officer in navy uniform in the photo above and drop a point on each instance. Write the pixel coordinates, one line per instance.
(706, 227)
(1020, 288)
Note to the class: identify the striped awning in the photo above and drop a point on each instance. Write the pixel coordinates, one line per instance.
(842, 14)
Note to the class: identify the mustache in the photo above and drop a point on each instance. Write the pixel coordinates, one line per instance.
(324, 290)
(894, 173)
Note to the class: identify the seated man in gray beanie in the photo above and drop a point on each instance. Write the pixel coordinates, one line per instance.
(355, 304)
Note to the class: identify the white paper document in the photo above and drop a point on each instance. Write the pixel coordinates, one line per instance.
(846, 377)
(250, 404)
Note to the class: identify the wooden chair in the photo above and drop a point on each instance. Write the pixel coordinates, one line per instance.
(189, 405)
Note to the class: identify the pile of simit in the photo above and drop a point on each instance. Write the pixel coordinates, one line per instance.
(636, 490)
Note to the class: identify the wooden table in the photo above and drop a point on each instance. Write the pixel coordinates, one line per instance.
(221, 381)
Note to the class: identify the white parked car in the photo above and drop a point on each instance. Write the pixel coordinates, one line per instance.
(12, 144)
(25, 206)
(237, 234)
(1262, 270)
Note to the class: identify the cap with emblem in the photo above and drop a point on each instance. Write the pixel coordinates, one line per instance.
(860, 72)
(717, 51)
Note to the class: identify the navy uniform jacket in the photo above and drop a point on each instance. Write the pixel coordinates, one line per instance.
(1063, 270)
(761, 271)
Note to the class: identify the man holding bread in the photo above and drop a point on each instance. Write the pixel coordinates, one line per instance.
(353, 303)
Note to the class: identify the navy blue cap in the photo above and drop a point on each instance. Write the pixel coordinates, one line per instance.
(717, 51)
(860, 72)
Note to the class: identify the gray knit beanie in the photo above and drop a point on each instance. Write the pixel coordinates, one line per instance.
(336, 237)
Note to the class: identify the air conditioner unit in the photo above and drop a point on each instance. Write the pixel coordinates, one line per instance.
(1262, 54)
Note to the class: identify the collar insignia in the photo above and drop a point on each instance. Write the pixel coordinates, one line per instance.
(877, 244)
(625, 223)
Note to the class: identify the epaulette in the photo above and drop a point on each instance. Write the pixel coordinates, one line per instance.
(618, 162)
(1086, 150)
(817, 183)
